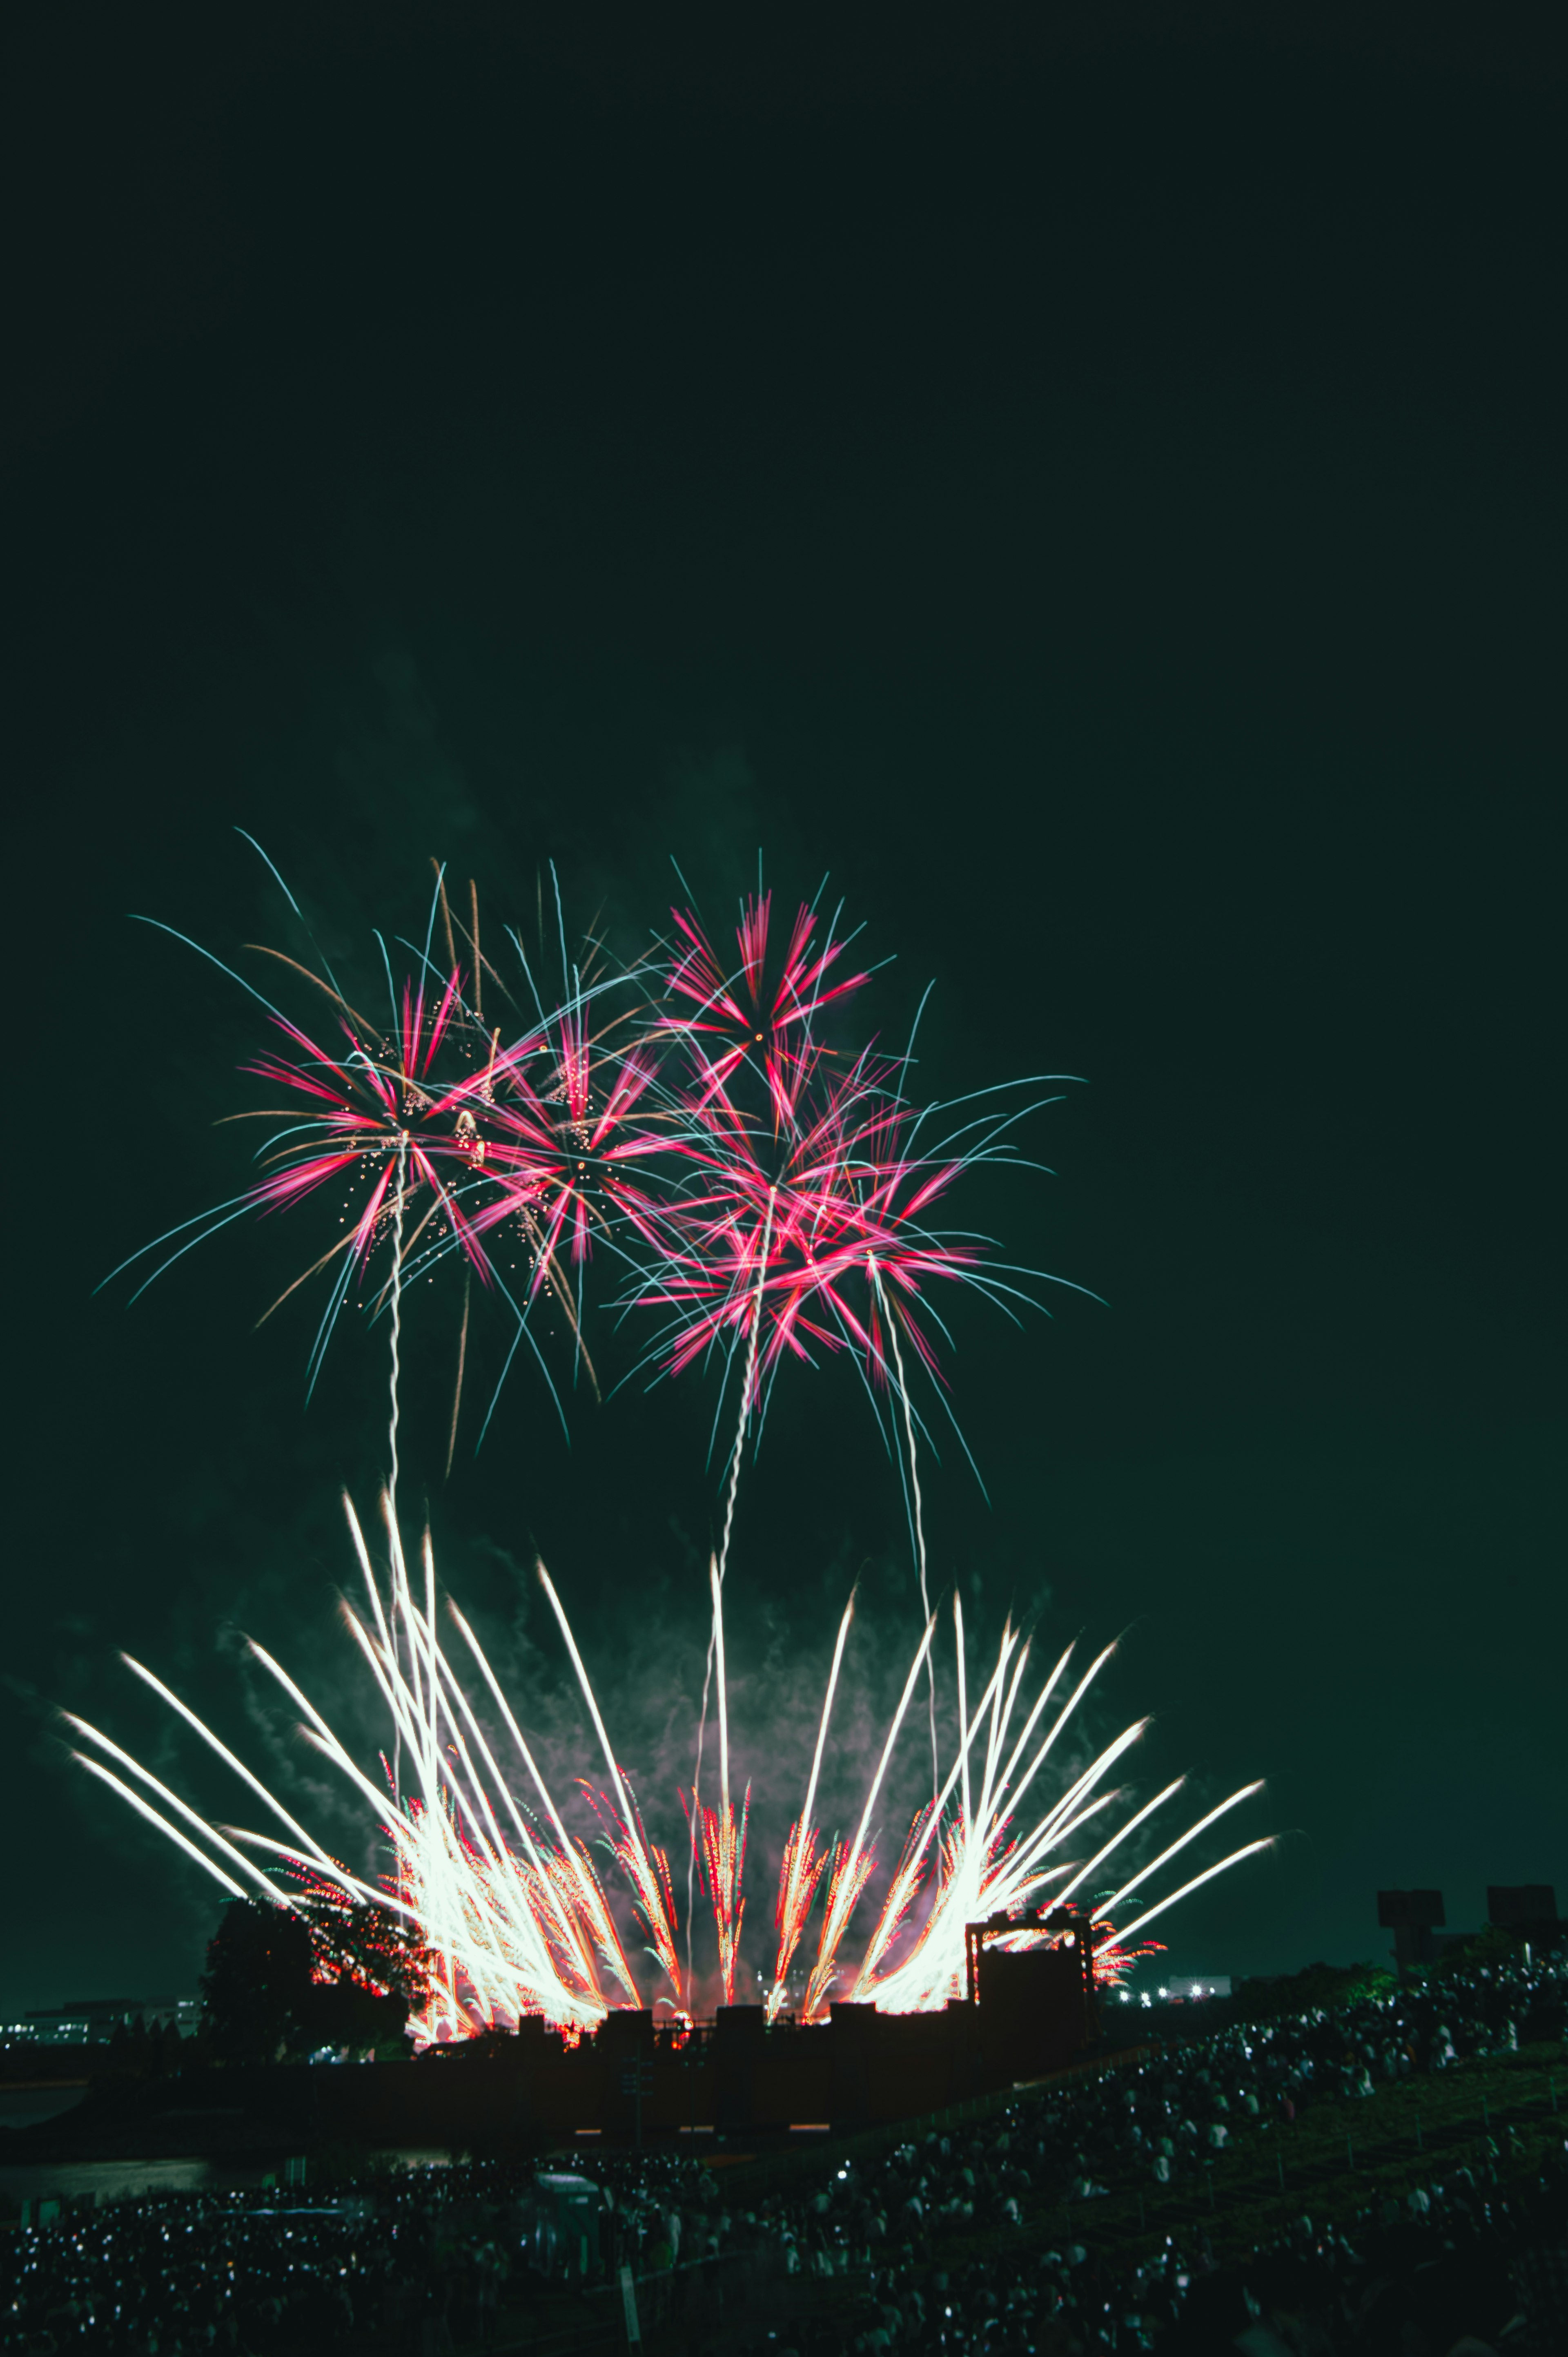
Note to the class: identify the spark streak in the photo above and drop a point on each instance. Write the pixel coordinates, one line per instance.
(804, 1865)
(511, 1905)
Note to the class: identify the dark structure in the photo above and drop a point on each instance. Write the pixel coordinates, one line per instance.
(94, 2020)
(1414, 1916)
(1416, 1919)
(1025, 2013)
(1034, 2009)
(559, 2222)
(1522, 1906)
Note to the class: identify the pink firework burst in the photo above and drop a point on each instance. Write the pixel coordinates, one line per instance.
(816, 1236)
(379, 1110)
(395, 1114)
(569, 1154)
(802, 1220)
(748, 1019)
(428, 1133)
(809, 1228)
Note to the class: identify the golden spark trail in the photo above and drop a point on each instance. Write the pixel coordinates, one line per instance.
(181, 1807)
(1117, 1838)
(519, 1926)
(1139, 1923)
(927, 1824)
(1245, 1794)
(723, 1845)
(627, 1812)
(170, 1832)
(457, 1386)
(747, 1381)
(546, 1796)
(798, 1857)
(228, 1758)
(892, 1326)
(846, 1888)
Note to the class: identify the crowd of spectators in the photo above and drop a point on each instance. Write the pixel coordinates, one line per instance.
(1456, 2256)
(976, 2237)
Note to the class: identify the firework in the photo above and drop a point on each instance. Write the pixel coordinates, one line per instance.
(437, 1128)
(771, 1193)
(852, 1867)
(740, 1022)
(649, 1871)
(811, 1232)
(804, 1863)
(717, 1835)
(778, 1199)
(510, 1905)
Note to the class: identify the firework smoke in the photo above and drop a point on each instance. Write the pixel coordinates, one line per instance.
(771, 1196)
(512, 1906)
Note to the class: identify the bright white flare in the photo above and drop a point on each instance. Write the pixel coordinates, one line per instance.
(510, 1903)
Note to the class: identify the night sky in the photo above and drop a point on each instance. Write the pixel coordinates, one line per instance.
(1096, 490)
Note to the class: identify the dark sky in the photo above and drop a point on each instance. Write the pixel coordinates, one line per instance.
(1093, 485)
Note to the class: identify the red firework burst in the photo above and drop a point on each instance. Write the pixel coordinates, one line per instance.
(378, 1109)
(744, 1020)
(434, 1130)
(815, 1235)
(570, 1153)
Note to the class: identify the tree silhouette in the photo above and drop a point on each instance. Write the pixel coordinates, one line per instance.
(277, 1983)
(258, 1981)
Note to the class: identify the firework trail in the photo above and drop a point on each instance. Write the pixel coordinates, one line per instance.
(853, 1869)
(724, 1850)
(987, 1868)
(800, 1871)
(652, 1886)
(510, 1905)
(394, 1405)
(776, 1201)
(736, 1025)
(647, 1871)
(722, 1839)
(804, 1864)
(518, 1922)
(918, 1514)
(778, 1245)
(788, 1203)
(806, 1228)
